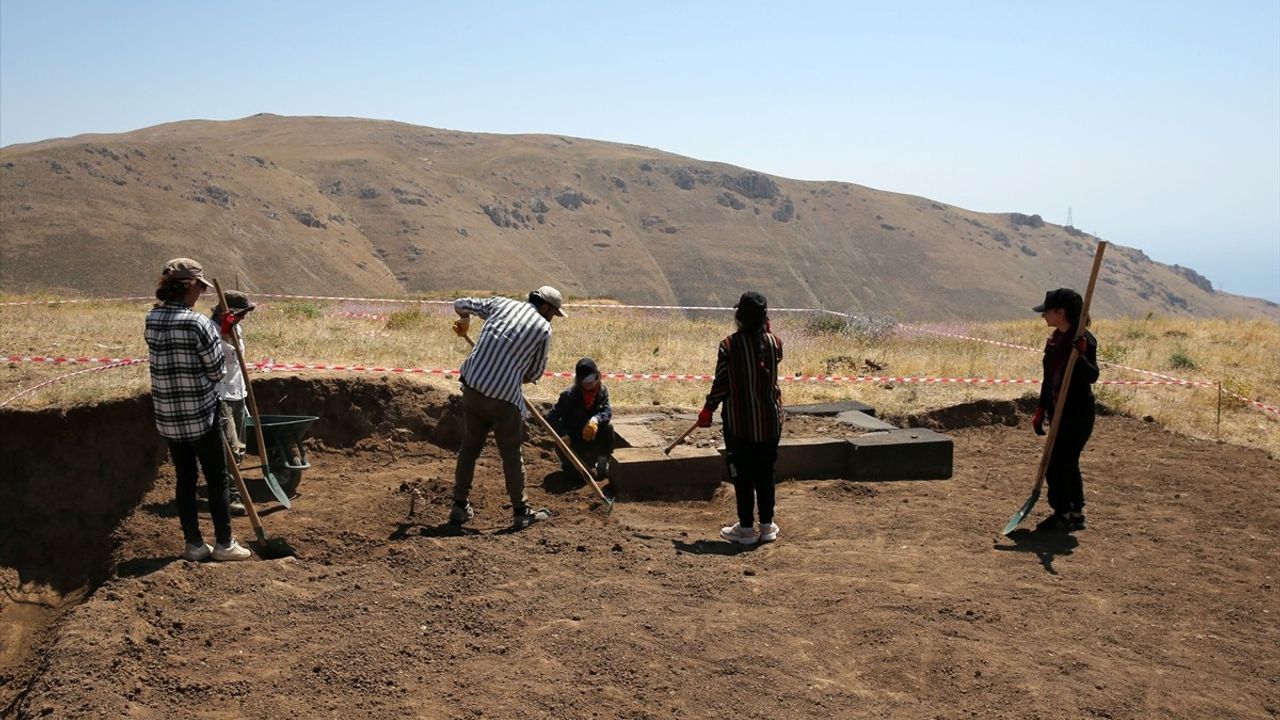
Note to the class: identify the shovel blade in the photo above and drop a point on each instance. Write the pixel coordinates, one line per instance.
(1021, 515)
(274, 485)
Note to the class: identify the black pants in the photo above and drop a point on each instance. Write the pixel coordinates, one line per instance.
(207, 450)
(751, 472)
(1066, 484)
(588, 450)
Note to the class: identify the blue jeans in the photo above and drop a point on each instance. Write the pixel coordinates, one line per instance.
(207, 451)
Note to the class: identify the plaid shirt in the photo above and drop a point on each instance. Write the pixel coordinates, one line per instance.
(187, 362)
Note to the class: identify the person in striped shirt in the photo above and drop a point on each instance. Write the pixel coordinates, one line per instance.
(511, 351)
(746, 381)
(186, 364)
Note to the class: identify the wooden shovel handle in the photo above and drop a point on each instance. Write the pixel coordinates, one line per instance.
(667, 450)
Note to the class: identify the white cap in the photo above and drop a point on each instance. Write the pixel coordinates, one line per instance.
(551, 296)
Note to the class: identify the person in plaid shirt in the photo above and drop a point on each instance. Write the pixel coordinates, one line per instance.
(187, 362)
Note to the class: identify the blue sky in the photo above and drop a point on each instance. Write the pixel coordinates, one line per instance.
(1157, 122)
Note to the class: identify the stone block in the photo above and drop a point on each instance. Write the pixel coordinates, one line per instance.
(688, 473)
(812, 459)
(915, 454)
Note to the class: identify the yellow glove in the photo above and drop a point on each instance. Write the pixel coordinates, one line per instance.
(461, 326)
(589, 432)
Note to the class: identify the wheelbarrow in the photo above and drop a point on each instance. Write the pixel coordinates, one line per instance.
(285, 458)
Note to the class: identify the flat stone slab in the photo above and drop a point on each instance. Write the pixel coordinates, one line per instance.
(863, 421)
(915, 454)
(645, 473)
(831, 409)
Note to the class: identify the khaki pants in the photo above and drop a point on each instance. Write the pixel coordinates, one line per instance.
(233, 426)
(480, 414)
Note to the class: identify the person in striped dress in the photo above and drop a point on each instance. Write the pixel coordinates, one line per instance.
(511, 351)
(746, 382)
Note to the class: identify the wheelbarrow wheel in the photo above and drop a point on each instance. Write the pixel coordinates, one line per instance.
(292, 478)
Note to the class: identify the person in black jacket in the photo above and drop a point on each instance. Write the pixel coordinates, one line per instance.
(1061, 310)
(582, 418)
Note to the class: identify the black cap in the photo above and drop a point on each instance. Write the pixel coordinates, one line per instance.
(752, 300)
(585, 368)
(1060, 299)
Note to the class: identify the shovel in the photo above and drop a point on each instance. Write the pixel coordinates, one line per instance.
(667, 450)
(564, 448)
(281, 496)
(1019, 516)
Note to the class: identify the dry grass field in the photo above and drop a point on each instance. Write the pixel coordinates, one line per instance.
(1239, 354)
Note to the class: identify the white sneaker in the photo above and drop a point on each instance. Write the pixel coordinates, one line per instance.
(737, 533)
(768, 532)
(231, 551)
(197, 553)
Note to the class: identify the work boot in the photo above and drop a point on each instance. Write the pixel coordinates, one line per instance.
(237, 505)
(526, 516)
(738, 534)
(1056, 522)
(231, 551)
(461, 513)
(197, 553)
(602, 467)
(1075, 521)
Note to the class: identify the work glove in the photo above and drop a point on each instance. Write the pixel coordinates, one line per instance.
(461, 326)
(1037, 421)
(589, 431)
(704, 417)
(1082, 344)
(228, 321)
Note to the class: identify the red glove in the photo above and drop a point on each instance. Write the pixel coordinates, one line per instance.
(1082, 344)
(1037, 421)
(704, 417)
(227, 322)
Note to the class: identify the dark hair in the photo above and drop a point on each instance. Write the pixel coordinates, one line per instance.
(751, 319)
(170, 290)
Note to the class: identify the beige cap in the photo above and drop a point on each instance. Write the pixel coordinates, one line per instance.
(185, 269)
(551, 296)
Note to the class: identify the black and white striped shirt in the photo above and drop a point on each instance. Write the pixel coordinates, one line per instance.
(187, 363)
(512, 348)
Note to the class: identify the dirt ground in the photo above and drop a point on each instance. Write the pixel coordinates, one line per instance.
(878, 600)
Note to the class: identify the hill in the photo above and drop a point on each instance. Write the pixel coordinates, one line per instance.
(354, 206)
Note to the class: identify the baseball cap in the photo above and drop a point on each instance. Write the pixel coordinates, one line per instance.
(552, 297)
(185, 269)
(752, 300)
(1060, 299)
(237, 301)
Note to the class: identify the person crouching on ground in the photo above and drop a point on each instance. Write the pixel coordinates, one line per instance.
(231, 389)
(1061, 310)
(511, 351)
(186, 363)
(746, 381)
(582, 418)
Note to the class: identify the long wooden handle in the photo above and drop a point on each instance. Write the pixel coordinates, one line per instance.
(564, 448)
(248, 385)
(1071, 366)
(252, 511)
(667, 450)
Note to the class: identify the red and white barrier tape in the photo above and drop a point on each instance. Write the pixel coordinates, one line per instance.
(122, 363)
(269, 366)
(76, 300)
